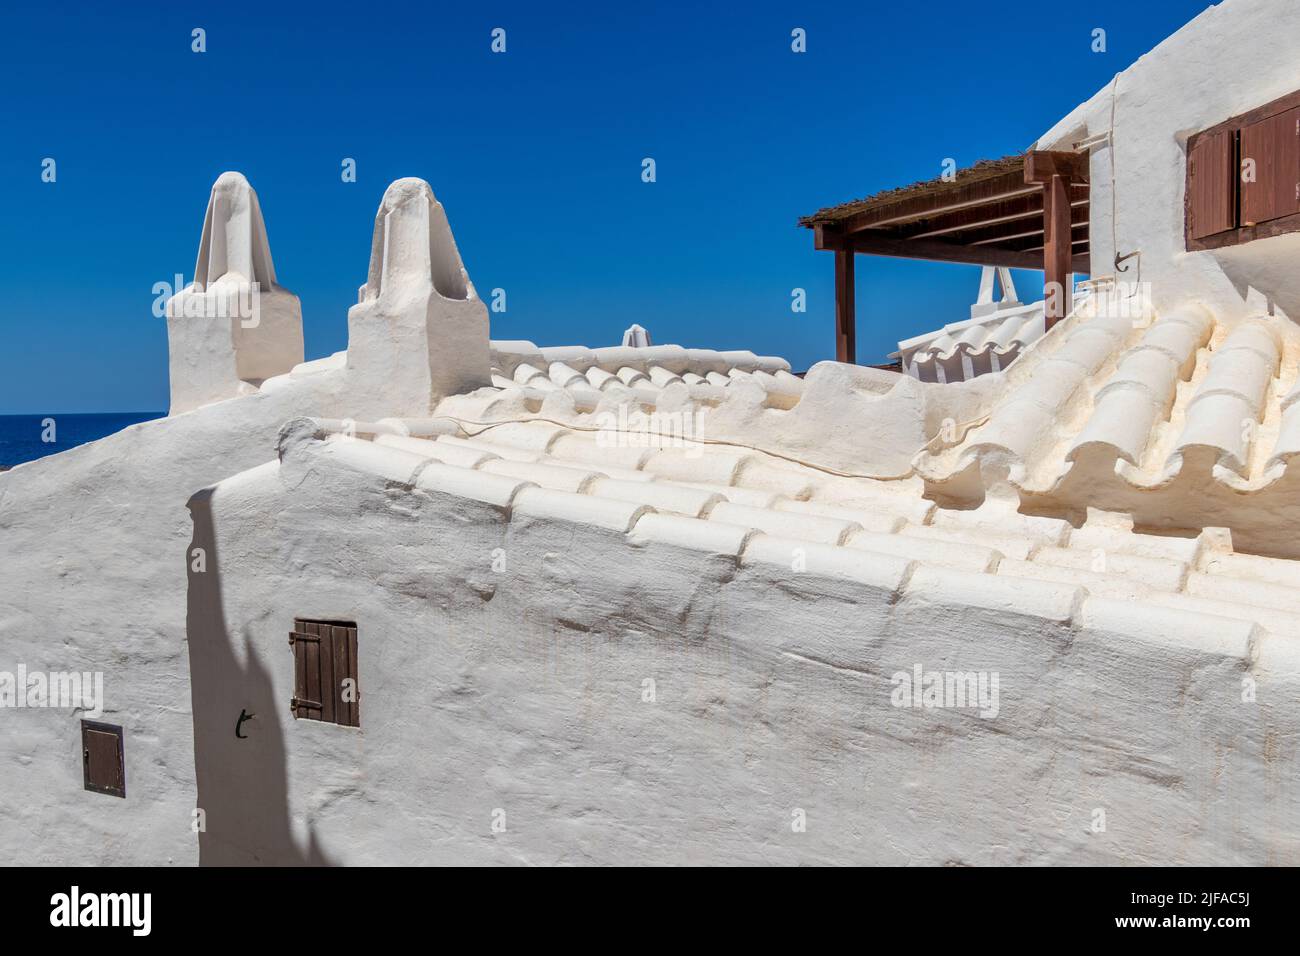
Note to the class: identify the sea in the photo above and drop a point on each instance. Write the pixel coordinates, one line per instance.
(28, 437)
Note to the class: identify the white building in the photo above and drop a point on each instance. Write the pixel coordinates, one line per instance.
(444, 599)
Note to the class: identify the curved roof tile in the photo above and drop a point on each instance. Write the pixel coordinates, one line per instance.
(1146, 411)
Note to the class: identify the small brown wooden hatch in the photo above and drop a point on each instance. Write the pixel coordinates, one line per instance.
(103, 765)
(325, 672)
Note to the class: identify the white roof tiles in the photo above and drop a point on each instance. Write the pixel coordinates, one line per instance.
(1180, 421)
(1174, 420)
(1229, 402)
(1288, 439)
(1142, 390)
(840, 527)
(1034, 415)
(976, 346)
(650, 368)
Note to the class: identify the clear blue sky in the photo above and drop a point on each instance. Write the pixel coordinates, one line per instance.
(536, 155)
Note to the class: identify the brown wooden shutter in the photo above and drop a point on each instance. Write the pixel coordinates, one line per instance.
(306, 670)
(104, 769)
(327, 688)
(345, 667)
(1212, 184)
(324, 657)
(1274, 145)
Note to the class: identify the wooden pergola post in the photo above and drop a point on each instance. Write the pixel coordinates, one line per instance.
(1056, 250)
(846, 321)
(1056, 172)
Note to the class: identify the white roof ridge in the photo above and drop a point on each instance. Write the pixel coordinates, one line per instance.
(1175, 591)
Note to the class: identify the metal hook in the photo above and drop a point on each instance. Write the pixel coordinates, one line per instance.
(1119, 259)
(243, 716)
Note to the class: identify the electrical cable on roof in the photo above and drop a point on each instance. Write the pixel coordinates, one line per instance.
(960, 432)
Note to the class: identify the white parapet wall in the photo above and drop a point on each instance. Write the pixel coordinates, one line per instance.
(560, 678)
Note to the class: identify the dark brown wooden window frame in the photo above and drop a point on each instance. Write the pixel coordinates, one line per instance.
(1238, 233)
(324, 655)
(117, 789)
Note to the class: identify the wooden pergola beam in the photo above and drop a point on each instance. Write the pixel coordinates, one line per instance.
(1006, 234)
(1033, 233)
(1005, 186)
(826, 237)
(1079, 235)
(1073, 244)
(1042, 164)
(936, 251)
(1006, 210)
(991, 214)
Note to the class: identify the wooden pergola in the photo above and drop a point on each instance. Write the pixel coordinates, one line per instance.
(1028, 212)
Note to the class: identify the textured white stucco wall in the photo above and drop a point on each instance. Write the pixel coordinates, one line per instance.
(93, 543)
(521, 690)
(1235, 56)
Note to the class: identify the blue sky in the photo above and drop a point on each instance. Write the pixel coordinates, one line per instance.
(536, 154)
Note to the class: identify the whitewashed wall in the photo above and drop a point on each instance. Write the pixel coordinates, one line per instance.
(93, 547)
(522, 691)
(1235, 56)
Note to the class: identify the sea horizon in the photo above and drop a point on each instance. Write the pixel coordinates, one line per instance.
(29, 437)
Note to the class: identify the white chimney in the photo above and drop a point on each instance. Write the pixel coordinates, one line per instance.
(418, 331)
(232, 327)
(636, 337)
